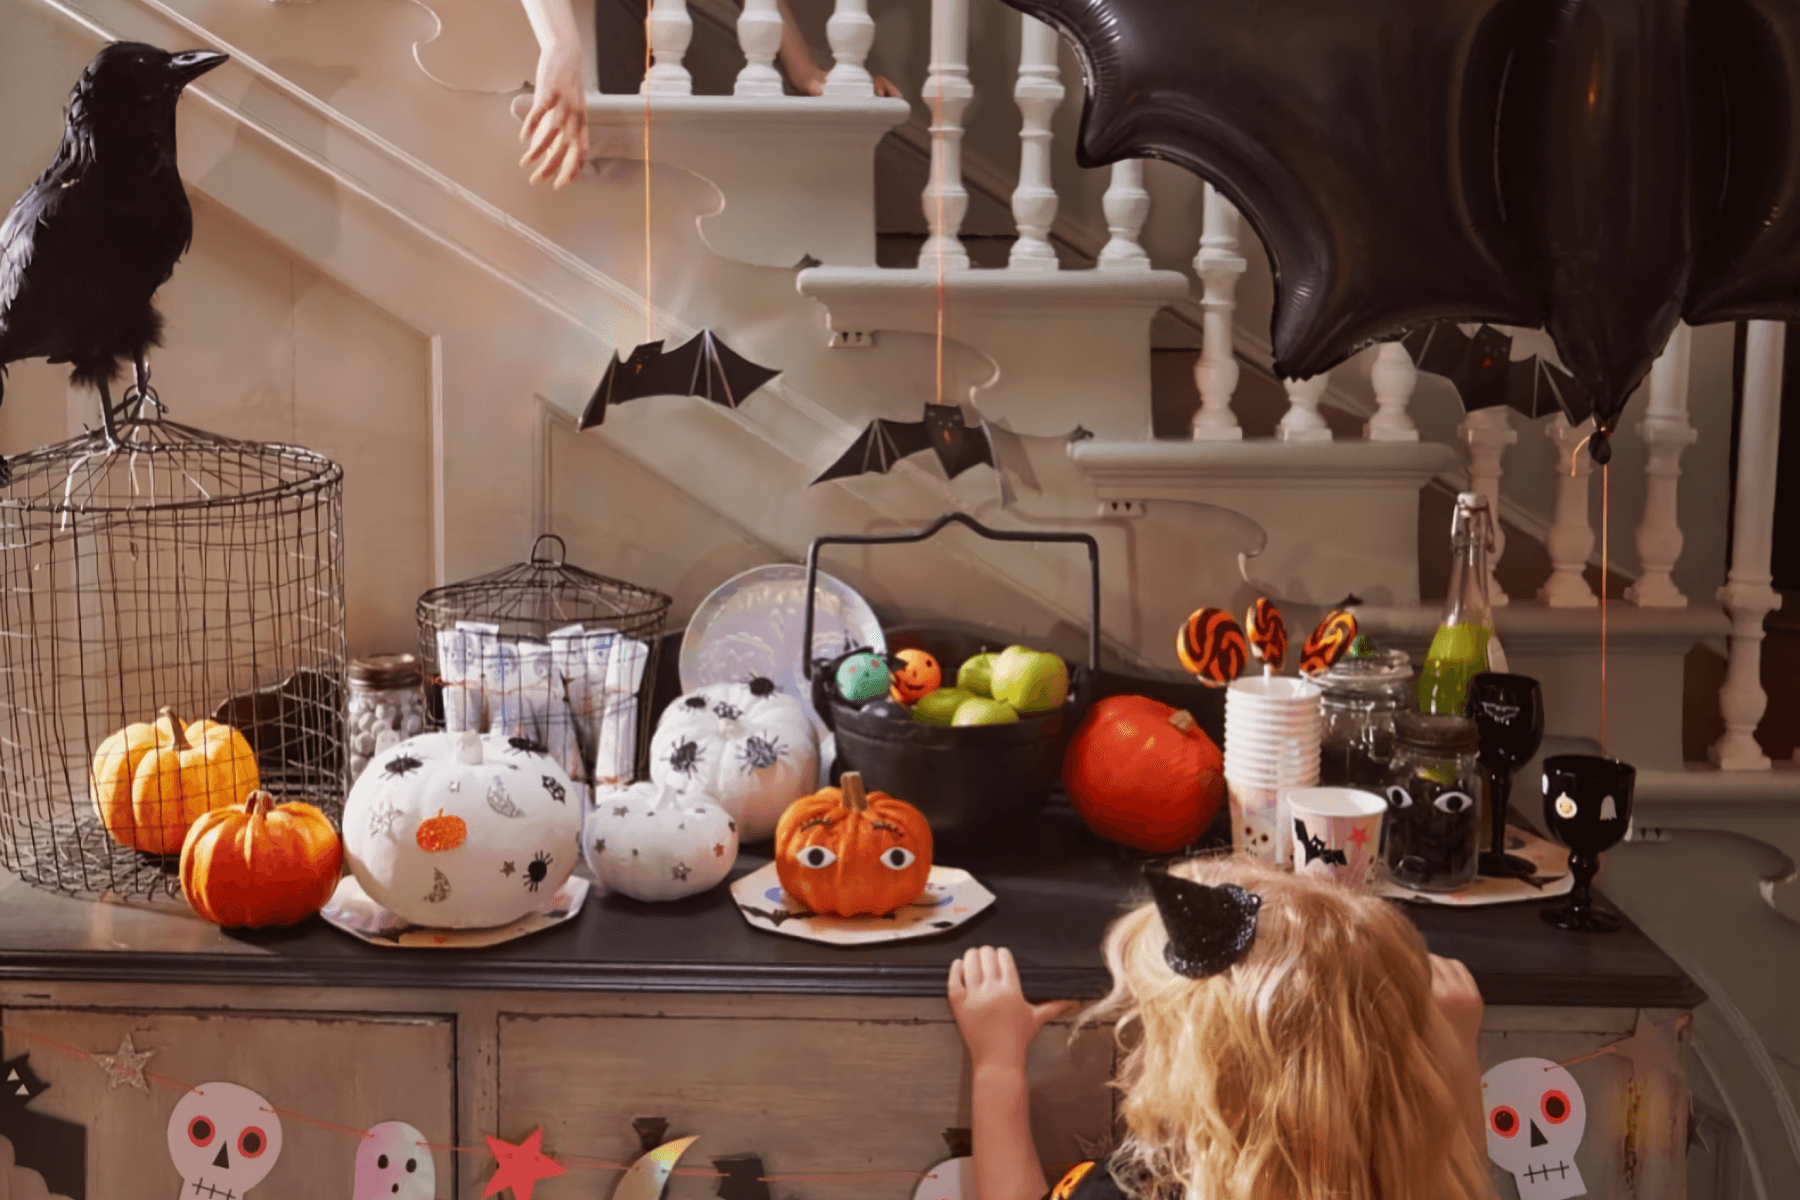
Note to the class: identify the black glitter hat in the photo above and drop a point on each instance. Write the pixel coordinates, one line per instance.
(1209, 928)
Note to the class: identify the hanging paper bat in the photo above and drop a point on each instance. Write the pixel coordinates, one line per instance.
(702, 366)
(54, 1148)
(959, 446)
(1485, 375)
(1315, 846)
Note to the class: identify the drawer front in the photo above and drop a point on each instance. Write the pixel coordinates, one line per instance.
(809, 1096)
(354, 1071)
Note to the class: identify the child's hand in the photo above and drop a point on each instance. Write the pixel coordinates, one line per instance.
(556, 127)
(1457, 997)
(996, 1020)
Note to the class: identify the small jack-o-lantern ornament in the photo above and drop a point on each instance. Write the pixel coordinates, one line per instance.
(916, 675)
(747, 747)
(850, 853)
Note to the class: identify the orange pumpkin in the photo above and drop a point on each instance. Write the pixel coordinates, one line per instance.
(1144, 774)
(260, 863)
(851, 853)
(918, 675)
(150, 782)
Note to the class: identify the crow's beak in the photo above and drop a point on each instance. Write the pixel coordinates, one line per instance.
(190, 65)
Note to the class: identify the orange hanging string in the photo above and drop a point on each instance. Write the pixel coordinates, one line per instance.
(1605, 561)
(649, 320)
(938, 172)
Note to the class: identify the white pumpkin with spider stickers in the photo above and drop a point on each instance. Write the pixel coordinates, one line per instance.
(462, 830)
(747, 747)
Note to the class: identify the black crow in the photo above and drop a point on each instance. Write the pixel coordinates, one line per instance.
(87, 245)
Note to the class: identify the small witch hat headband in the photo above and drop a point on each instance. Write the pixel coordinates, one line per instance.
(1209, 928)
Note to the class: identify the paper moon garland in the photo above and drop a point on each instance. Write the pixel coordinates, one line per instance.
(646, 1178)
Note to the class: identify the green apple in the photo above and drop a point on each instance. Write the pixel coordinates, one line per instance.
(939, 707)
(977, 675)
(980, 711)
(1030, 681)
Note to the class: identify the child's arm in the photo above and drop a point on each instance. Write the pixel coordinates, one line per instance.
(556, 127)
(797, 57)
(1460, 1001)
(998, 1025)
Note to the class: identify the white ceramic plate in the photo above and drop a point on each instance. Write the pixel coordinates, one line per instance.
(753, 624)
(952, 897)
(351, 910)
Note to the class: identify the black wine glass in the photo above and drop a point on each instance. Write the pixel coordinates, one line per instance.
(1508, 711)
(1587, 806)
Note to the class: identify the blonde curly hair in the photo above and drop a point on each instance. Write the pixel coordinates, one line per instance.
(1316, 1068)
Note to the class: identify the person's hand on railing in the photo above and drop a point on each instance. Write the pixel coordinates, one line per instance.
(555, 129)
(796, 58)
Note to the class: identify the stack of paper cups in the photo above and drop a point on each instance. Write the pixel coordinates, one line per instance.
(1271, 745)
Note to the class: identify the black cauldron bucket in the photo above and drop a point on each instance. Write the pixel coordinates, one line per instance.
(971, 782)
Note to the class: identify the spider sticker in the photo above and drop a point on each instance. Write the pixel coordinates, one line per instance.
(401, 765)
(685, 758)
(525, 745)
(537, 870)
(760, 753)
(557, 791)
(727, 712)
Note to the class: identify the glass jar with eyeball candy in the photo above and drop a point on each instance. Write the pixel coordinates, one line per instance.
(386, 706)
(1431, 840)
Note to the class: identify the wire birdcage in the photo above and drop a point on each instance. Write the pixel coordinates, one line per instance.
(176, 569)
(550, 654)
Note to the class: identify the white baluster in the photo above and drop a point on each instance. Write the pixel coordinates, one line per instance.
(1219, 266)
(851, 32)
(1038, 92)
(1666, 432)
(1394, 377)
(671, 29)
(759, 34)
(1747, 594)
(1571, 537)
(1127, 207)
(947, 92)
(1489, 432)
(1303, 422)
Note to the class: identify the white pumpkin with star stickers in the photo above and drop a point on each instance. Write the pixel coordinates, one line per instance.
(462, 830)
(653, 842)
(749, 747)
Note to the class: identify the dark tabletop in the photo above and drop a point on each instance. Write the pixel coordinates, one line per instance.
(1058, 887)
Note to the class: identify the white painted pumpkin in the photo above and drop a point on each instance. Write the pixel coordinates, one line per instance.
(462, 830)
(653, 842)
(746, 746)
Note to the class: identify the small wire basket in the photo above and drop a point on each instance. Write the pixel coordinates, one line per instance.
(550, 654)
(174, 569)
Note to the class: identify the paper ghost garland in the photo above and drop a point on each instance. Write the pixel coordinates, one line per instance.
(393, 1163)
(224, 1140)
(1536, 1116)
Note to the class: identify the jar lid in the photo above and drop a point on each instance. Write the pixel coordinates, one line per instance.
(1452, 735)
(386, 670)
(1377, 666)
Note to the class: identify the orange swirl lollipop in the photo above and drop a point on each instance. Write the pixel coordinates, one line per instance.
(1211, 645)
(1267, 633)
(1329, 642)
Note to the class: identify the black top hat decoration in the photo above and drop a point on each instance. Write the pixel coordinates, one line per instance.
(1209, 928)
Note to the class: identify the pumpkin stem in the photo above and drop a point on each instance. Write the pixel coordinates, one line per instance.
(468, 748)
(855, 798)
(259, 803)
(1183, 720)
(180, 738)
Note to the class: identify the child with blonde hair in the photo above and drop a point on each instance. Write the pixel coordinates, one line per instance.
(1287, 1040)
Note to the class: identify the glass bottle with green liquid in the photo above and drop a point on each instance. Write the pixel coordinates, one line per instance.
(1465, 644)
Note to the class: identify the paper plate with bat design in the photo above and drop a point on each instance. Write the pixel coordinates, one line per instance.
(754, 623)
(952, 897)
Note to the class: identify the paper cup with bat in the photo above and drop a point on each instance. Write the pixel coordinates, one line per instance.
(1336, 832)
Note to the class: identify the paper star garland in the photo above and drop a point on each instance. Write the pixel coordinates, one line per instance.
(125, 1066)
(521, 1167)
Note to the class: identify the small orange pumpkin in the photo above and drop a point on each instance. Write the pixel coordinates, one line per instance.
(1144, 774)
(441, 833)
(918, 675)
(151, 781)
(260, 863)
(849, 853)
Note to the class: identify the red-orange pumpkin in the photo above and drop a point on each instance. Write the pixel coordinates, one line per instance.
(260, 863)
(1144, 774)
(850, 853)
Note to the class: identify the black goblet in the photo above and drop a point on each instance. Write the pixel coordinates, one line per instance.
(1508, 711)
(1587, 805)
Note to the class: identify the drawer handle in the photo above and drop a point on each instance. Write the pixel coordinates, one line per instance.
(651, 1131)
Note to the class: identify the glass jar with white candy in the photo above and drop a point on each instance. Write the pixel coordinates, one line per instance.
(386, 706)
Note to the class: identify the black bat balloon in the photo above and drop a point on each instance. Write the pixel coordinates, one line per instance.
(702, 366)
(1486, 376)
(958, 445)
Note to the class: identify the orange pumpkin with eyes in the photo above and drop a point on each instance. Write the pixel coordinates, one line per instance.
(917, 676)
(850, 853)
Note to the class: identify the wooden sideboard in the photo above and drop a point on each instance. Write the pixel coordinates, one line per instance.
(820, 1061)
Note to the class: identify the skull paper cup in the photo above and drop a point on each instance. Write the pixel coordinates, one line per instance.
(1335, 832)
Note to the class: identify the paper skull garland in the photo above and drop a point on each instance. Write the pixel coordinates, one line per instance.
(224, 1139)
(462, 830)
(747, 747)
(652, 842)
(1536, 1115)
(393, 1163)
